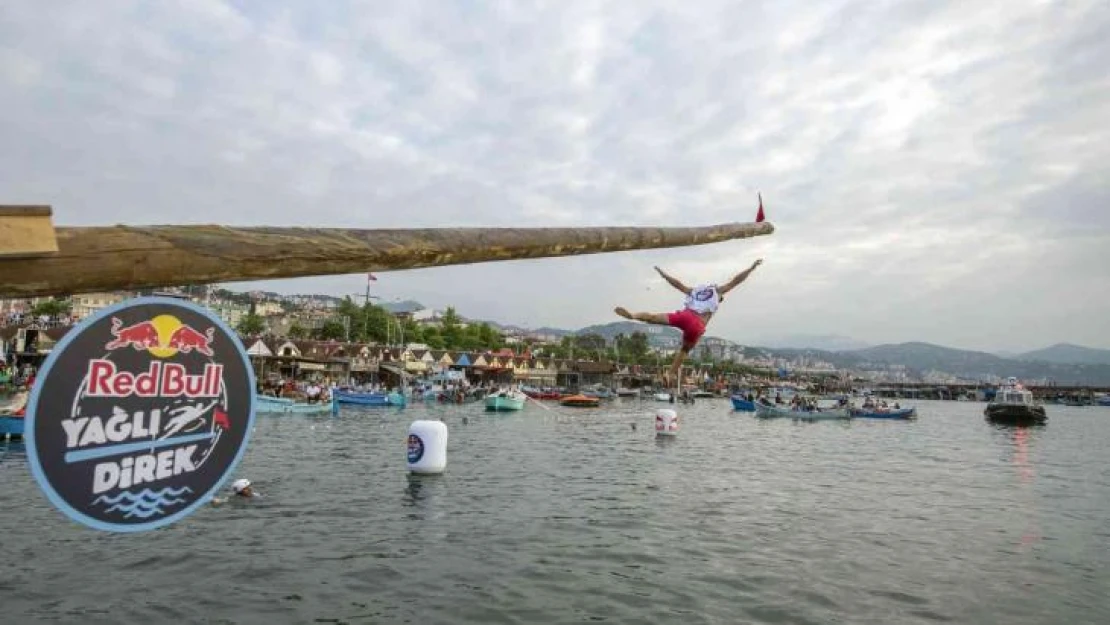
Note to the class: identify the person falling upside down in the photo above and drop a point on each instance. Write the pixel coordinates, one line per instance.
(701, 303)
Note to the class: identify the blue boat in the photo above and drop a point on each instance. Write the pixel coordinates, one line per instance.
(369, 399)
(265, 404)
(11, 425)
(11, 416)
(880, 413)
(742, 404)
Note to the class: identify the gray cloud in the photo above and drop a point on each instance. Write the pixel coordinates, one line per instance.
(936, 171)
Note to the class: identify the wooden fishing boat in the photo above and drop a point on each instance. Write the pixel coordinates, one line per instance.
(742, 404)
(506, 400)
(1014, 405)
(369, 399)
(768, 411)
(580, 401)
(266, 404)
(541, 393)
(883, 413)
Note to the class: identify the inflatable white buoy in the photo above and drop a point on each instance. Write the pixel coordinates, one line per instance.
(666, 422)
(427, 447)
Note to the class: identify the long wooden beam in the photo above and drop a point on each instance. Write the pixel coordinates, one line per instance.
(95, 259)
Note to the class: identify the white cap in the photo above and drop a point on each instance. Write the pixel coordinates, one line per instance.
(240, 484)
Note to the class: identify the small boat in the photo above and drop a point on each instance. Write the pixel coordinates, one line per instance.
(11, 416)
(537, 393)
(1103, 401)
(11, 425)
(580, 401)
(627, 392)
(461, 396)
(768, 411)
(369, 399)
(883, 413)
(1014, 405)
(503, 401)
(265, 404)
(599, 392)
(742, 404)
(663, 397)
(703, 394)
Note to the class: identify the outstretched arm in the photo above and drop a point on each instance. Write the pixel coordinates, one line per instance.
(673, 281)
(738, 278)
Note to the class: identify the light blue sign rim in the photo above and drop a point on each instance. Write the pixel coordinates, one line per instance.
(31, 416)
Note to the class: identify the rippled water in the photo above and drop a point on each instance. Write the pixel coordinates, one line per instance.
(571, 515)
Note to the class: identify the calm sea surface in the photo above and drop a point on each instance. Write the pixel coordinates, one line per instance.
(567, 516)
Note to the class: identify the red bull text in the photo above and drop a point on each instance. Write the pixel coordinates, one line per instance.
(161, 379)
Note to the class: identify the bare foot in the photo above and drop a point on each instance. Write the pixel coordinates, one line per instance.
(623, 312)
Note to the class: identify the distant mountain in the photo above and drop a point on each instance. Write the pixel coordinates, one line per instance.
(1066, 353)
(921, 357)
(552, 331)
(825, 342)
(658, 336)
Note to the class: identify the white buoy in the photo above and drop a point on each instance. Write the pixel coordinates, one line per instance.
(666, 422)
(427, 447)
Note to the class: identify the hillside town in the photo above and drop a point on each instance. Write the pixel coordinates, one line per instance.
(301, 336)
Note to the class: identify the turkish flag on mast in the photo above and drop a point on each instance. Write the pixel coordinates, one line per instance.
(759, 216)
(371, 277)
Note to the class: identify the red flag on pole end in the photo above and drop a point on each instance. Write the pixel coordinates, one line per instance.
(759, 216)
(371, 277)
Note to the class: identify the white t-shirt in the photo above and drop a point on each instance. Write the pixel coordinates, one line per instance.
(703, 298)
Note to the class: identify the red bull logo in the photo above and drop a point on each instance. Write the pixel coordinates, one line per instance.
(163, 336)
(139, 414)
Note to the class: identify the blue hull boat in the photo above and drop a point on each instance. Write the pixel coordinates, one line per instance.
(264, 404)
(741, 404)
(11, 425)
(870, 413)
(369, 399)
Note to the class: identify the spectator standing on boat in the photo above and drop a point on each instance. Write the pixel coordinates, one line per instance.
(700, 305)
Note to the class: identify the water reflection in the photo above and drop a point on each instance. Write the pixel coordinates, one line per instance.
(1018, 450)
(12, 450)
(420, 493)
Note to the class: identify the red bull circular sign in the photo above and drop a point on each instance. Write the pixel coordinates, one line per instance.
(139, 414)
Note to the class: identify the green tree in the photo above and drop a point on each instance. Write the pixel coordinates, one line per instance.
(433, 339)
(251, 325)
(451, 329)
(633, 349)
(488, 337)
(52, 307)
(331, 329)
(297, 331)
(413, 331)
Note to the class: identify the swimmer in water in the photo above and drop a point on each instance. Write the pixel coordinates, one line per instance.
(242, 488)
(701, 302)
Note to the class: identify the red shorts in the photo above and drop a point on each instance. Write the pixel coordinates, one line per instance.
(690, 323)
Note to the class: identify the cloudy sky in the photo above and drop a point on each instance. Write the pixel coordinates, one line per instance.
(936, 170)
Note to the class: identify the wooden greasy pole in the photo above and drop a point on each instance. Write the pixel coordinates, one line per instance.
(37, 259)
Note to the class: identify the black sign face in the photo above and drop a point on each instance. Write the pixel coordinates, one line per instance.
(139, 414)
